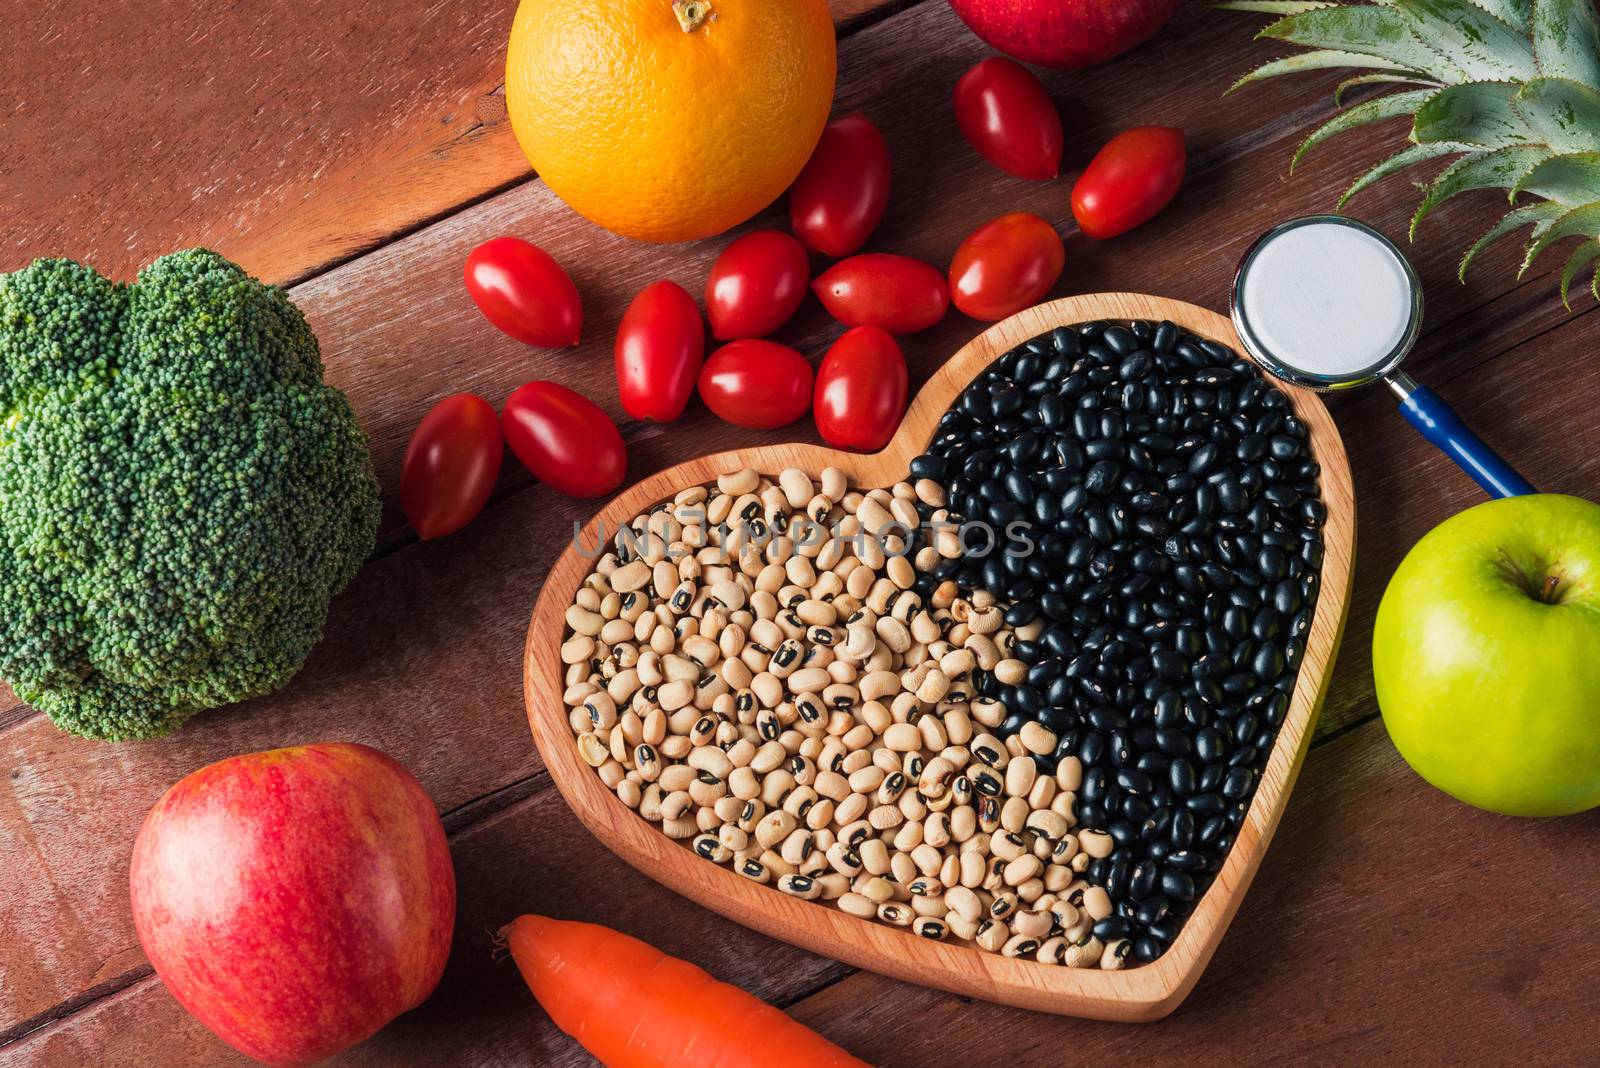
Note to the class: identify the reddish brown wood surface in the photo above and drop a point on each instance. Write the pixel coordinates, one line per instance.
(423, 654)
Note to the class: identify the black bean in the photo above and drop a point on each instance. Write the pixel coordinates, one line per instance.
(1176, 532)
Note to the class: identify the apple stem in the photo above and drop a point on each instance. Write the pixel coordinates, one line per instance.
(1547, 592)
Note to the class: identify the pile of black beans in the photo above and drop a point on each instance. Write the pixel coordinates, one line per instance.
(1171, 500)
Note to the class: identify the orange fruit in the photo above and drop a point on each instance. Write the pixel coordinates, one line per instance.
(669, 120)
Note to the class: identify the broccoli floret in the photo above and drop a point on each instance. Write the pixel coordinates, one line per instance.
(180, 493)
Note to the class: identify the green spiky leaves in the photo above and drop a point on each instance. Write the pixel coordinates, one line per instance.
(1510, 87)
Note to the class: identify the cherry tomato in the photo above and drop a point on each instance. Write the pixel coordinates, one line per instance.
(660, 344)
(897, 293)
(523, 291)
(756, 384)
(450, 466)
(861, 390)
(1005, 265)
(1010, 119)
(564, 439)
(1129, 181)
(756, 285)
(839, 198)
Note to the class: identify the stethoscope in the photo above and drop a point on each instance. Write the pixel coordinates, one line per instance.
(1329, 303)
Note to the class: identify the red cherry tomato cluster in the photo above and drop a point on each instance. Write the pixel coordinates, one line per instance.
(1009, 118)
(757, 284)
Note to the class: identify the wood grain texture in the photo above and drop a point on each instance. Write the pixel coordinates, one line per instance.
(288, 137)
(1380, 932)
(1558, 446)
(422, 653)
(1133, 994)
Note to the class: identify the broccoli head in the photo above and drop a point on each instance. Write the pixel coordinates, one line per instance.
(180, 493)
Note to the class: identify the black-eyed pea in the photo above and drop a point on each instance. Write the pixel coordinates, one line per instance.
(629, 793)
(776, 864)
(936, 830)
(987, 711)
(774, 827)
(1022, 869)
(907, 837)
(991, 935)
(1085, 953)
(875, 857)
(927, 859)
(712, 760)
(1043, 792)
(1014, 814)
(707, 789)
(928, 905)
(902, 868)
(654, 727)
(974, 869)
(744, 784)
(855, 834)
(1057, 878)
(1069, 774)
(1098, 844)
(832, 785)
(1033, 924)
(988, 814)
(1097, 903)
(858, 905)
(1115, 956)
(1003, 905)
(876, 888)
(1019, 945)
(858, 736)
(675, 777)
(851, 809)
(728, 809)
(844, 860)
(1051, 825)
(593, 749)
(1006, 846)
(750, 816)
(1020, 776)
(707, 846)
(1038, 845)
(1031, 890)
(912, 807)
(963, 823)
(682, 827)
(894, 913)
(1064, 804)
(650, 802)
(647, 761)
(988, 751)
(753, 869)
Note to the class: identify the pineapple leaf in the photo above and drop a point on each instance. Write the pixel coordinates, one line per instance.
(1379, 32)
(1540, 215)
(1566, 40)
(1483, 46)
(1473, 113)
(1570, 179)
(1304, 61)
(1406, 157)
(1272, 7)
(1582, 221)
(1378, 78)
(1511, 12)
(1496, 169)
(1580, 257)
(1389, 106)
(1562, 113)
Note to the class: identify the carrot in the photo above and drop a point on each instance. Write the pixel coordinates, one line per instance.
(632, 1006)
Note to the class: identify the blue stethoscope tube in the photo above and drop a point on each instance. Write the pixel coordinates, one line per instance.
(1439, 423)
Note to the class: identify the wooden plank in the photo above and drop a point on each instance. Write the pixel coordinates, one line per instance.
(482, 1013)
(435, 629)
(1388, 925)
(1550, 454)
(287, 139)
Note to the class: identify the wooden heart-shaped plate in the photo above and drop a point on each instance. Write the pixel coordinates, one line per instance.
(1144, 992)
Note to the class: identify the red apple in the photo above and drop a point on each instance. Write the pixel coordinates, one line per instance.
(296, 900)
(1064, 33)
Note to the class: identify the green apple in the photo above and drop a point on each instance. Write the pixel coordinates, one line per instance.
(1486, 656)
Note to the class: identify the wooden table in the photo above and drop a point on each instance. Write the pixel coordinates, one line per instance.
(356, 152)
